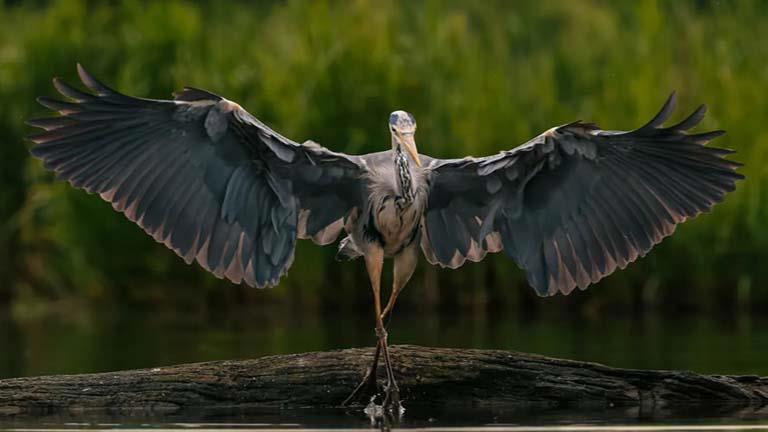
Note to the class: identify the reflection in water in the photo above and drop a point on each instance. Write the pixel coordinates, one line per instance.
(83, 339)
(12, 348)
(434, 418)
(94, 340)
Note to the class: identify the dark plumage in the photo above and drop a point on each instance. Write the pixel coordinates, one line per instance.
(217, 186)
(576, 202)
(199, 174)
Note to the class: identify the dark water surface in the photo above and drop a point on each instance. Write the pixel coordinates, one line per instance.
(80, 340)
(421, 418)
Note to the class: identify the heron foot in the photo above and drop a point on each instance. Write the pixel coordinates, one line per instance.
(366, 390)
(392, 403)
(381, 418)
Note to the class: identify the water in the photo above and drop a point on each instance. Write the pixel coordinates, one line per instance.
(90, 339)
(421, 418)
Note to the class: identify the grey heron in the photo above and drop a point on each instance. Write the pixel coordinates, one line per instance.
(217, 186)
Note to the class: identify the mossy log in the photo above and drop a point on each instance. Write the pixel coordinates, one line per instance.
(466, 377)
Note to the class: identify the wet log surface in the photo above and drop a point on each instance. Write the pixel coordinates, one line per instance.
(440, 376)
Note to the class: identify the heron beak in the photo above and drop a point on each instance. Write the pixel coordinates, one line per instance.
(410, 147)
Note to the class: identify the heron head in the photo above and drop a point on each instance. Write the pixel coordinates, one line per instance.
(402, 126)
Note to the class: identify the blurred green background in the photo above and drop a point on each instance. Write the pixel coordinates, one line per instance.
(479, 77)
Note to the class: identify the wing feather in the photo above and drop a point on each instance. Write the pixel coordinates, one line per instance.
(198, 174)
(577, 202)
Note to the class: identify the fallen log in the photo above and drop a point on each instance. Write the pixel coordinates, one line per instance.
(466, 377)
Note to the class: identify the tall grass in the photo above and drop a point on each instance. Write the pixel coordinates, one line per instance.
(479, 77)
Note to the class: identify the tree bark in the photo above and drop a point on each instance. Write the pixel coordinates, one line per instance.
(466, 377)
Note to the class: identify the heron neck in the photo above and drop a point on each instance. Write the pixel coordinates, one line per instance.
(403, 174)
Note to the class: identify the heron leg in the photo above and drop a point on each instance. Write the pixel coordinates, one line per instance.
(405, 264)
(392, 391)
(374, 261)
(368, 385)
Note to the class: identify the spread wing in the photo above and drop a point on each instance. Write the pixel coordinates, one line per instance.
(201, 175)
(575, 203)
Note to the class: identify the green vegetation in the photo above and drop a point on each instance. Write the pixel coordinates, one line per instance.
(479, 77)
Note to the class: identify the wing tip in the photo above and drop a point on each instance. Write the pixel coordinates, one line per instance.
(58, 83)
(37, 138)
(705, 137)
(81, 71)
(691, 121)
(92, 83)
(663, 114)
